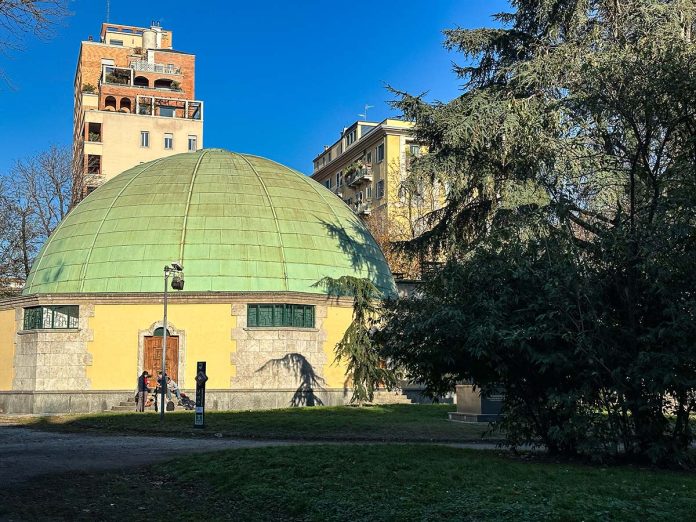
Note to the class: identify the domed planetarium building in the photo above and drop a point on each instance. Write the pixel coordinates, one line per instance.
(253, 236)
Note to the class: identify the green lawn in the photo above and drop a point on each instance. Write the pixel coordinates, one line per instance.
(358, 482)
(384, 423)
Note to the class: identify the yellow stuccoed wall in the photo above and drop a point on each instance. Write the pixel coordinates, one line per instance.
(7, 348)
(114, 347)
(337, 321)
(208, 330)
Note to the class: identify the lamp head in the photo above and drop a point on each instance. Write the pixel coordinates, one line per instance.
(177, 282)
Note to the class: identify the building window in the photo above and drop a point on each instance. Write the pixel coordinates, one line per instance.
(116, 42)
(94, 132)
(280, 315)
(327, 183)
(368, 192)
(167, 112)
(51, 317)
(380, 153)
(144, 139)
(192, 143)
(368, 158)
(329, 155)
(350, 138)
(380, 189)
(168, 141)
(415, 150)
(93, 164)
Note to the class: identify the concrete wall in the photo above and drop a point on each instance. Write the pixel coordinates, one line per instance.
(216, 399)
(77, 401)
(120, 148)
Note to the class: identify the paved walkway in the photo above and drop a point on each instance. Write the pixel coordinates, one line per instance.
(26, 453)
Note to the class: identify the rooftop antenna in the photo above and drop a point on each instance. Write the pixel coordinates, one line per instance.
(108, 10)
(364, 115)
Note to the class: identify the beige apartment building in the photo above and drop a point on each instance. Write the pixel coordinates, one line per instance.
(134, 102)
(367, 168)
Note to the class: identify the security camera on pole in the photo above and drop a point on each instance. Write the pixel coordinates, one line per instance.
(177, 272)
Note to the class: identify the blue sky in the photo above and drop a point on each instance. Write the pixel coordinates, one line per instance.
(279, 78)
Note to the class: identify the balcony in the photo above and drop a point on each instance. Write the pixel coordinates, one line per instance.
(126, 76)
(116, 75)
(160, 68)
(364, 208)
(359, 175)
(169, 107)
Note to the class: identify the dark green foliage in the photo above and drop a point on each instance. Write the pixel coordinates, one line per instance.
(365, 368)
(569, 227)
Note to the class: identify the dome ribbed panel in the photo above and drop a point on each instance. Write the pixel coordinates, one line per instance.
(250, 225)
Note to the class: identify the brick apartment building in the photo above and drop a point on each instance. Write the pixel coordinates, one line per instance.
(134, 102)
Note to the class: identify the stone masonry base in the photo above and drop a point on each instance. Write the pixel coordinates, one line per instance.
(92, 401)
(96, 401)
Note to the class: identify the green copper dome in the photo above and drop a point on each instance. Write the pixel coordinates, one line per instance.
(237, 223)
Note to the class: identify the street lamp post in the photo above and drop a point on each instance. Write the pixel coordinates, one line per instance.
(177, 284)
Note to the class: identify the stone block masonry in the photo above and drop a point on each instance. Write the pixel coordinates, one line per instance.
(52, 360)
(278, 358)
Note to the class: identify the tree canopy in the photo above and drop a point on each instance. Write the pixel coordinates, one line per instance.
(568, 229)
(35, 197)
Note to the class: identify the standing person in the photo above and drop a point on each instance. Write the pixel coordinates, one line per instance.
(162, 386)
(142, 391)
(173, 387)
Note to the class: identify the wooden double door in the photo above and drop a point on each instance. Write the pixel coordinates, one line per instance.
(152, 356)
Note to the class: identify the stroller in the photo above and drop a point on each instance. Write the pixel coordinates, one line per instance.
(186, 402)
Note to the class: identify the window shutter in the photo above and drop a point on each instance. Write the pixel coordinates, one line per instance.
(265, 315)
(252, 315)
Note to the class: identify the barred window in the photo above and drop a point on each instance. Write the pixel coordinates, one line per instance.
(51, 317)
(279, 315)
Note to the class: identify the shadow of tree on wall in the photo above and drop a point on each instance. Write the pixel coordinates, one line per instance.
(299, 366)
(365, 256)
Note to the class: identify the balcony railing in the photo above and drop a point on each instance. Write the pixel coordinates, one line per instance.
(141, 65)
(169, 107)
(363, 208)
(126, 76)
(361, 175)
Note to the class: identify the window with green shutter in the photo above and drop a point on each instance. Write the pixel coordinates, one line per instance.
(51, 317)
(280, 315)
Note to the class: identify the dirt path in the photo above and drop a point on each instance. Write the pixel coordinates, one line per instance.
(27, 453)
